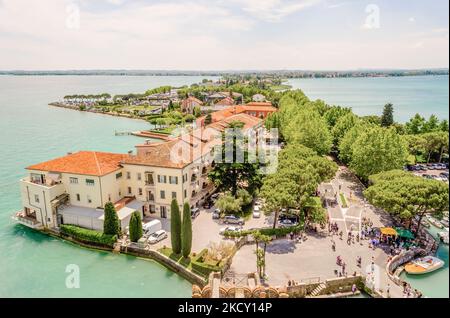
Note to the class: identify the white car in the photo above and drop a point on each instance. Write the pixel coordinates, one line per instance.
(230, 229)
(256, 212)
(157, 236)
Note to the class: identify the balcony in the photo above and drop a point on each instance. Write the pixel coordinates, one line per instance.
(27, 220)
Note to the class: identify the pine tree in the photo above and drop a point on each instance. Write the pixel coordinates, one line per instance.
(186, 231)
(387, 119)
(111, 223)
(135, 226)
(175, 227)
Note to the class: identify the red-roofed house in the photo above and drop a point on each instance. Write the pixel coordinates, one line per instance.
(188, 104)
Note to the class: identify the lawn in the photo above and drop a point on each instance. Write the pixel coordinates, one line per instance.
(344, 201)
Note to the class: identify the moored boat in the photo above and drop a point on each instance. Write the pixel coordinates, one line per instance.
(423, 265)
(443, 236)
(434, 222)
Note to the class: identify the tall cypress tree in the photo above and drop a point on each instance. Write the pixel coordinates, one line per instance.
(111, 223)
(186, 231)
(175, 227)
(387, 119)
(135, 226)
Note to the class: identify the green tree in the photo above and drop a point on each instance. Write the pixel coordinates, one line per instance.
(208, 119)
(346, 143)
(186, 231)
(279, 191)
(407, 196)
(333, 115)
(175, 227)
(443, 126)
(309, 129)
(435, 142)
(111, 223)
(376, 150)
(245, 197)
(234, 167)
(342, 126)
(431, 125)
(228, 204)
(415, 125)
(135, 226)
(387, 119)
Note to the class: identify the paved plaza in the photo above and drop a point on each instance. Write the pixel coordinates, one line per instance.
(308, 260)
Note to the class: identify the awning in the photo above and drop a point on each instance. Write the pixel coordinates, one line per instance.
(404, 233)
(388, 231)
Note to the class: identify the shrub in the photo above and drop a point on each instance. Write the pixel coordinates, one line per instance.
(111, 223)
(89, 236)
(135, 226)
(278, 232)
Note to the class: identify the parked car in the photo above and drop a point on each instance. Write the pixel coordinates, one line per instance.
(151, 227)
(256, 212)
(286, 223)
(216, 214)
(195, 212)
(215, 196)
(207, 205)
(444, 175)
(230, 229)
(231, 219)
(157, 236)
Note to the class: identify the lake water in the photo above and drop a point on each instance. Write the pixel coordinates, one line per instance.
(33, 265)
(425, 95)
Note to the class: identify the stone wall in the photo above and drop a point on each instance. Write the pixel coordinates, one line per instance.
(167, 262)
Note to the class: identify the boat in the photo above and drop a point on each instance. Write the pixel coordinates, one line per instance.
(423, 265)
(444, 221)
(434, 222)
(443, 236)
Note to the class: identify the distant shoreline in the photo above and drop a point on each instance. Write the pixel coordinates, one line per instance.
(288, 74)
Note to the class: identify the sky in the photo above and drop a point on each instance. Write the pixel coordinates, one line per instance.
(223, 34)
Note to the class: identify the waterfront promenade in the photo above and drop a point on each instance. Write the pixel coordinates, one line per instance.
(314, 258)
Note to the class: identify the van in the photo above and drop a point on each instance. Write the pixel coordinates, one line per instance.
(151, 227)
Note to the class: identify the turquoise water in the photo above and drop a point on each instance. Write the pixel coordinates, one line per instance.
(410, 95)
(433, 284)
(32, 264)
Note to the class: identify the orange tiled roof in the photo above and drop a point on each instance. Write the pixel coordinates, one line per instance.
(226, 101)
(259, 104)
(90, 163)
(191, 100)
(198, 143)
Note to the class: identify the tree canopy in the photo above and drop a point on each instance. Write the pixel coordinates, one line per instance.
(406, 196)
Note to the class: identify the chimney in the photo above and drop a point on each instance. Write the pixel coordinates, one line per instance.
(69, 153)
(130, 152)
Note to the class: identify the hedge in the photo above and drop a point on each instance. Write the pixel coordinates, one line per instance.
(89, 236)
(282, 231)
(205, 269)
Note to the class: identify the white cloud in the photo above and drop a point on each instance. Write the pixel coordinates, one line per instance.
(274, 10)
(412, 19)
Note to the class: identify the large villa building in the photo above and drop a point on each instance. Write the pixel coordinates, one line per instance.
(74, 189)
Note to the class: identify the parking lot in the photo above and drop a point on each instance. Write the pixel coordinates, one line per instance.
(431, 171)
(205, 229)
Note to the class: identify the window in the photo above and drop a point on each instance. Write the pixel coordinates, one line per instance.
(129, 190)
(89, 199)
(128, 175)
(140, 191)
(173, 180)
(90, 182)
(73, 180)
(162, 179)
(139, 176)
(163, 194)
(36, 198)
(149, 179)
(78, 197)
(118, 175)
(152, 208)
(174, 195)
(185, 193)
